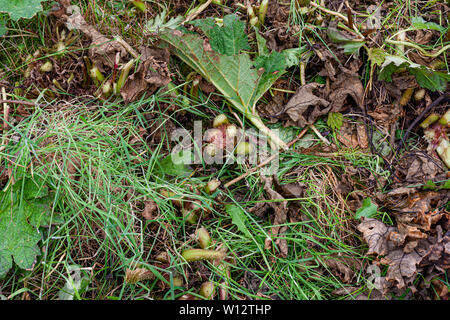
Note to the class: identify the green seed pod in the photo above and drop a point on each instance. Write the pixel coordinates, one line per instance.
(220, 120)
(244, 148)
(211, 150)
(47, 67)
(212, 186)
(207, 290)
(445, 119)
(202, 254)
(432, 118)
(190, 216)
(203, 238)
(96, 75)
(443, 150)
(419, 94)
(177, 282)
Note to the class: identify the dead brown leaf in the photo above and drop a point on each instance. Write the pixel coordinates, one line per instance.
(151, 74)
(150, 209)
(102, 50)
(305, 106)
(280, 218)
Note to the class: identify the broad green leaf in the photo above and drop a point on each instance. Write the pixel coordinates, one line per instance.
(349, 45)
(238, 218)
(24, 207)
(420, 23)
(367, 210)
(21, 8)
(334, 120)
(232, 73)
(234, 76)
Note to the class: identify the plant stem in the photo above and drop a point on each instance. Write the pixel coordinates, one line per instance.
(256, 120)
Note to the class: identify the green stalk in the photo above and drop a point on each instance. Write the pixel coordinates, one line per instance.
(263, 11)
(124, 75)
(256, 120)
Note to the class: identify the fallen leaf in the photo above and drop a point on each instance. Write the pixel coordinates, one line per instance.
(375, 234)
(150, 209)
(151, 74)
(280, 218)
(102, 49)
(305, 107)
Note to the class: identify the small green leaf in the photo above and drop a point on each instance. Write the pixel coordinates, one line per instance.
(429, 185)
(446, 185)
(159, 23)
(420, 23)
(168, 167)
(335, 120)
(228, 39)
(367, 210)
(238, 218)
(376, 56)
(21, 8)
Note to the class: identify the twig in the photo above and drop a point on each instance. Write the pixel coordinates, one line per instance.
(27, 103)
(265, 162)
(422, 114)
(337, 14)
(423, 51)
(321, 137)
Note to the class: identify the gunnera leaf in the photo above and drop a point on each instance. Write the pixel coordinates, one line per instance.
(235, 76)
(21, 8)
(24, 207)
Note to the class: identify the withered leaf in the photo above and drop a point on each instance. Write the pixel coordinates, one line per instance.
(280, 218)
(151, 74)
(305, 107)
(375, 234)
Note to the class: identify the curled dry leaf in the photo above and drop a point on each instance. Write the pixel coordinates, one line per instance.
(150, 209)
(102, 49)
(280, 218)
(375, 234)
(305, 106)
(151, 74)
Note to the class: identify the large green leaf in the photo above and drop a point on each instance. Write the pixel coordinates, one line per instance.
(24, 207)
(233, 75)
(21, 8)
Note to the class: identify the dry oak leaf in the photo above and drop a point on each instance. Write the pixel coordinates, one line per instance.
(347, 84)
